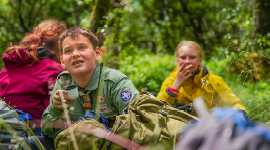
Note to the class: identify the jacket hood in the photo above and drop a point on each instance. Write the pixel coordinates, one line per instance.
(12, 60)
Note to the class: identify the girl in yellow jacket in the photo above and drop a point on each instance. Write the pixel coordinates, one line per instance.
(190, 80)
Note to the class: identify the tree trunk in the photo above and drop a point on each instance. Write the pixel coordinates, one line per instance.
(263, 17)
(100, 9)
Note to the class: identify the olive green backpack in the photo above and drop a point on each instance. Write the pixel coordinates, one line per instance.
(149, 122)
(83, 132)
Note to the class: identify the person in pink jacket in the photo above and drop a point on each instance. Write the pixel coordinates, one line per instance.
(31, 69)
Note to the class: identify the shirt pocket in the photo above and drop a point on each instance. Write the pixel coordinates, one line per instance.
(75, 116)
(76, 109)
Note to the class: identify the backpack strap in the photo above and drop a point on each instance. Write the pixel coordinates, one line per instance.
(99, 90)
(158, 127)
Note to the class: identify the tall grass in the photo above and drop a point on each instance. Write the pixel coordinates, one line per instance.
(253, 95)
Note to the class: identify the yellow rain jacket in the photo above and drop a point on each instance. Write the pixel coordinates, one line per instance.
(213, 89)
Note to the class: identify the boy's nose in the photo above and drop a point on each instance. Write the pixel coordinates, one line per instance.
(75, 54)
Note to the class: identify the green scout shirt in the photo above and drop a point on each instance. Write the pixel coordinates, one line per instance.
(118, 92)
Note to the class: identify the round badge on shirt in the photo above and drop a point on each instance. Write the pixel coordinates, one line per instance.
(126, 95)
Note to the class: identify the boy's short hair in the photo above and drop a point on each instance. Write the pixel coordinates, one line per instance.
(191, 44)
(74, 32)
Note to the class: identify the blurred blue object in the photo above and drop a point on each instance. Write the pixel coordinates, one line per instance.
(241, 121)
(102, 119)
(27, 116)
(225, 128)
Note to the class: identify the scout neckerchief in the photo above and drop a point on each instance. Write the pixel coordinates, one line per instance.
(86, 99)
(86, 96)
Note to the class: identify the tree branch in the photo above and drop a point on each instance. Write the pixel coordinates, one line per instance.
(20, 17)
(39, 10)
(30, 15)
(92, 18)
(76, 13)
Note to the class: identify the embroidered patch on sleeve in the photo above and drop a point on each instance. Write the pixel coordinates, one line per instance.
(126, 95)
(101, 98)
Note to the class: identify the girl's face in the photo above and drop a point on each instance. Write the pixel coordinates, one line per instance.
(188, 56)
(79, 57)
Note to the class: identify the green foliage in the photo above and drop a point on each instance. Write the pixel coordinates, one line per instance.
(252, 65)
(147, 72)
(158, 26)
(216, 66)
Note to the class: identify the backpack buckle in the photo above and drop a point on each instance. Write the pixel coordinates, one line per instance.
(163, 113)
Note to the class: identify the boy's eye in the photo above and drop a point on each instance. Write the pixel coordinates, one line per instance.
(67, 51)
(82, 47)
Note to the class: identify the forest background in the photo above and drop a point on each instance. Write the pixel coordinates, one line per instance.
(139, 37)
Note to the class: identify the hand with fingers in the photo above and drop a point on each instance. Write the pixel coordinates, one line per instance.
(184, 72)
(57, 103)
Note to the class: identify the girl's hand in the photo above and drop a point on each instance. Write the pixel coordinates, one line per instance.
(57, 103)
(183, 74)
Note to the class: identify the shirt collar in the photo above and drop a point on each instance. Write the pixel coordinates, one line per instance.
(95, 79)
(43, 52)
(200, 75)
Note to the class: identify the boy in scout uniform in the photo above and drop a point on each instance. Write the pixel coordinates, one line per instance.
(80, 55)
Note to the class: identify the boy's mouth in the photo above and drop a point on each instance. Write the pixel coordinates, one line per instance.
(77, 62)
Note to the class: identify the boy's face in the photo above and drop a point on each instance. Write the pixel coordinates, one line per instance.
(79, 57)
(188, 56)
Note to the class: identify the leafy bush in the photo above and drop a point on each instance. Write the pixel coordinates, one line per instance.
(147, 72)
(217, 66)
(252, 66)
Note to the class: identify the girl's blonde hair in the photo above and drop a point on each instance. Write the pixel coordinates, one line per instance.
(191, 44)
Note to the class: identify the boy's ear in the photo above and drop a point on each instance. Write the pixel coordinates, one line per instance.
(98, 54)
(61, 59)
(62, 62)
